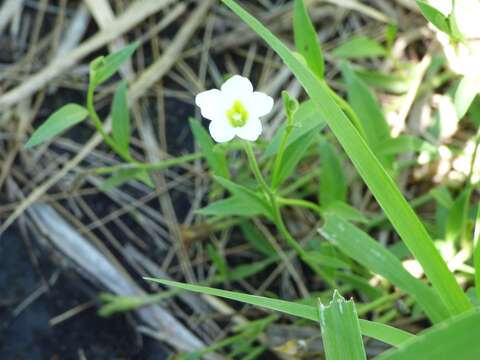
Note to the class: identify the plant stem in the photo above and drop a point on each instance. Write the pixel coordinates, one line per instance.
(277, 216)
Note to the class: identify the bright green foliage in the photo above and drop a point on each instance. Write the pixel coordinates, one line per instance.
(382, 332)
(306, 40)
(234, 205)
(458, 216)
(404, 220)
(366, 107)
(215, 158)
(102, 68)
(306, 120)
(121, 118)
(61, 120)
(404, 144)
(247, 196)
(359, 47)
(434, 16)
(476, 254)
(373, 256)
(333, 186)
(455, 338)
(341, 335)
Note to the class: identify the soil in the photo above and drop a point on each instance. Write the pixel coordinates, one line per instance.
(29, 336)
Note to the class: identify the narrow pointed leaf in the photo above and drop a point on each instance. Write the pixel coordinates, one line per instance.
(121, 117)
(382, 332)
(61, 120)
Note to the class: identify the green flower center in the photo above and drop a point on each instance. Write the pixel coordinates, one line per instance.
(237, 115)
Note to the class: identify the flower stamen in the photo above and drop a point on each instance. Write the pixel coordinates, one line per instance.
(237, 115)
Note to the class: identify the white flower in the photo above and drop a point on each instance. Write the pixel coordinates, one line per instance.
(235, 109)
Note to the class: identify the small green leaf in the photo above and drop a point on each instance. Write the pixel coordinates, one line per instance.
(292, 156)
(341, 335)
(305, 119)
(215, 159)
(345, 211)
(256, 239)
(235, 205)
(379, 331)
(61, 120)
(125, 175)
(359, 47)
(121, 118)
(458, 216)
(467, 89)
(434, 16)
(306, 40)
(333, 186)
(366, 107)
(246, 195)
(394, 83)
(102, 68)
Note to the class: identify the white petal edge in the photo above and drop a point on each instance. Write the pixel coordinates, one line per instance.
(251, 131)
(237, 88)
(259, 104)
(221, 131)
(211, 103)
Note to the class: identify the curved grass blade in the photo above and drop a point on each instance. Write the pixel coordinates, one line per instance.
(455, 338)
(397, 209)
(361, 247)
(382, 332)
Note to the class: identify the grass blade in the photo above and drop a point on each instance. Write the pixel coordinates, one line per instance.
(455, 338)
(341, 335)
(361, 247)
(397, 209)
(306, 40)
(382, 332)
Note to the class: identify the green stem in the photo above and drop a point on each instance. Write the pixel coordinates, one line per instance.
(301, 203)
(277, 216)
(149, 166)
(99, 126)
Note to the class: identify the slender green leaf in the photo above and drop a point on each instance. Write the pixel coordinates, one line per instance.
(333, 186)
(292, 156)
(359, 47)
(341, 335)
(61, 120)
(382, 332)
(125, 175)
(256, 239)
(234, 205)
(247, 195)
(306, 40)
(345, 211)
(397, 209)
(102, 68)
(215, 159)
(366, 107)
(121, 117)
(361, 247)
(458, 216)
(467, 89)
(455, 338)
(306, 120)
(434, 16)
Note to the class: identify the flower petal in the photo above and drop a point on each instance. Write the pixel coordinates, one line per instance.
(259, 104)
(237, 88)
(211, 103)
(221, 130)
(251, 131)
